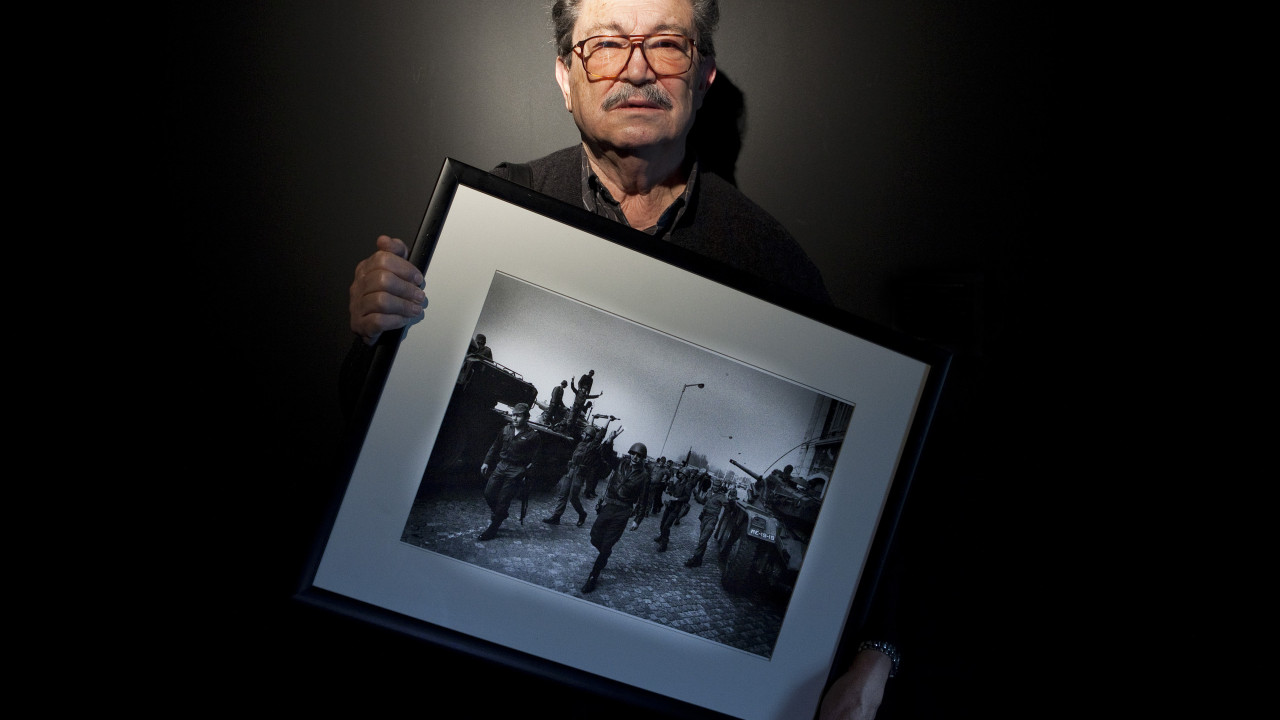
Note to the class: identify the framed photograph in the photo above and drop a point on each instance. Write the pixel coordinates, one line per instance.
(757, 446)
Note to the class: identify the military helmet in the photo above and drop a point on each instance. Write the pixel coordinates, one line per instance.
(640, 448)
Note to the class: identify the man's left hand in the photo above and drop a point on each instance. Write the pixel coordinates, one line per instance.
(857, 694)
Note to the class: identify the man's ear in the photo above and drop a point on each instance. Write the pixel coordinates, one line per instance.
(562, 79)
(706, 76)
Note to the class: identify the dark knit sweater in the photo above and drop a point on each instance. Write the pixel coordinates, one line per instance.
(720, 223)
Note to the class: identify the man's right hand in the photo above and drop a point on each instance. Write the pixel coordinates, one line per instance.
(386, 293)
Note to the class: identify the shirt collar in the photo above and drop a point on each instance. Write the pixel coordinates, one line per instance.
(597, 198)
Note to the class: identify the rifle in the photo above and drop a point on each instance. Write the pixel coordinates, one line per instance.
(524, 493)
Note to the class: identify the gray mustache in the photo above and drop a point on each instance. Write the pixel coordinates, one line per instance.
(650, 93)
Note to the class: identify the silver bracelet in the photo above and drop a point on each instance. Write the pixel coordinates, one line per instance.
(886, 649)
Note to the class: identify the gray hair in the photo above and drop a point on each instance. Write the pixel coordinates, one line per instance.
(564, 15)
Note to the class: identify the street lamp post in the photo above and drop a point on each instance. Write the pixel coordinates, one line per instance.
(663, 451)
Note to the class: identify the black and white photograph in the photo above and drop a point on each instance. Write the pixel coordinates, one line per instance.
(467, 519)
(908, 150)
(732, 464)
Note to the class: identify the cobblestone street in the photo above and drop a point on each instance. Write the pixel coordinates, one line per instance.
(450, 514)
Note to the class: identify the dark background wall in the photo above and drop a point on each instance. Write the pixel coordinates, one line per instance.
(899, 140)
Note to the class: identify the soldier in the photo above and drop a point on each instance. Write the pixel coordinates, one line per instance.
(581, 394)
(558, 407)
(553, 411)
(658, 477)
(584, 461)
(675, 499)
(621, 500)
(699, 480)
(510, 456)
(779, 479)
(584, 383)
(478, 349)
(608, 458)
(713, 499)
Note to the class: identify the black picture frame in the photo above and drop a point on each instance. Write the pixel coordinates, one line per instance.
(479, 232)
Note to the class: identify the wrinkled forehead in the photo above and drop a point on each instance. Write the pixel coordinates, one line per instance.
(634, 17)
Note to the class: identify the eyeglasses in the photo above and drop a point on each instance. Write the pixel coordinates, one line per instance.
(606, 56)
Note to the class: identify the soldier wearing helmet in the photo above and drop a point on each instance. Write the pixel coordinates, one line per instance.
(624, 490)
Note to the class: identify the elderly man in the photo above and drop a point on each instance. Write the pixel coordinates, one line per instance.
(632, 73)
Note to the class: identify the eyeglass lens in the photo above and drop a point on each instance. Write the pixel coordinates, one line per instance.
(607, 55)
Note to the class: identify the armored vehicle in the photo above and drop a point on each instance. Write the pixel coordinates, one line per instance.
(473, 419)
(763, 537)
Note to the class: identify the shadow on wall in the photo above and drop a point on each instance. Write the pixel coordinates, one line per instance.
(718, 128)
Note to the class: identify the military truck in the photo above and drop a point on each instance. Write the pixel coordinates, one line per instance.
(763, 538)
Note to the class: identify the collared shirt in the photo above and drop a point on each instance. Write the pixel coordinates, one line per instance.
(514, 447)
(597, 198)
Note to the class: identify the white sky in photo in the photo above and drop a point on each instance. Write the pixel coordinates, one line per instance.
(547, 338)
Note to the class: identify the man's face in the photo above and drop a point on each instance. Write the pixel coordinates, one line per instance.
(519, 419)
(615, 115)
